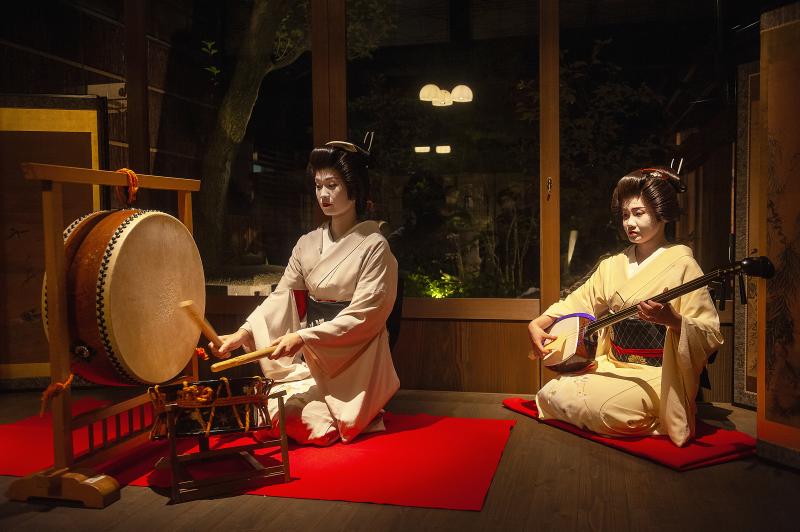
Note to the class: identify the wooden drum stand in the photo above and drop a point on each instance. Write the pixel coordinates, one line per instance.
(72, 478)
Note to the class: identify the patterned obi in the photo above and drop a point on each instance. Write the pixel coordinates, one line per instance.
(638, 342)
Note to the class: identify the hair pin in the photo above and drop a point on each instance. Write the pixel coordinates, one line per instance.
(354, 148)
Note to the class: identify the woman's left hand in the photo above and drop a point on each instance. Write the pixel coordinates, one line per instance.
(661, 313)
(288, 345)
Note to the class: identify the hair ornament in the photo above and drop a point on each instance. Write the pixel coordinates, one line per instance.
(365, 149)
(667, 175)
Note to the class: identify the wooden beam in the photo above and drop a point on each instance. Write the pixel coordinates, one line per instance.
(71, 174)
(136, 85)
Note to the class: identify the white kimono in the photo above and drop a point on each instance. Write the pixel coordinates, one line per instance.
(338, 384)
(636, 399)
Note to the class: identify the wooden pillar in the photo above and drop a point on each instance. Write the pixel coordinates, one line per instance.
(58, 335)
(329, 70)
(328, 76)
(549, 153)
(136, 85)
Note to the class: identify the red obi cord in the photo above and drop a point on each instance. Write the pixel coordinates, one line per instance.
(646, 353)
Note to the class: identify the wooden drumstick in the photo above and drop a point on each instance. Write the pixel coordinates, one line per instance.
(208, 330)
(243, 359)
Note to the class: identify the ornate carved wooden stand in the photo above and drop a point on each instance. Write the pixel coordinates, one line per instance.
(184, 488)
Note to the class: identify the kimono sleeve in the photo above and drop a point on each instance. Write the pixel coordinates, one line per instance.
(292, 279)
(685, 355)
(700, 332)
(333, 344)
(587, 298)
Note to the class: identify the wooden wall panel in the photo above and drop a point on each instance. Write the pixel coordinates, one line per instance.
(465, 355)
(720, 373)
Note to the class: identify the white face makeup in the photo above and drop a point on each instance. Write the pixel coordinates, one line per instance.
(639, 222)
(332, 193)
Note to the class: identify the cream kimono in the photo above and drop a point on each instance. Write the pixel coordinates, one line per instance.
(338, 384)
(638, 399)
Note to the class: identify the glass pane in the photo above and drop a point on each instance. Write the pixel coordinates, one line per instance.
(632, 94)
(454, 173)
(270, 200)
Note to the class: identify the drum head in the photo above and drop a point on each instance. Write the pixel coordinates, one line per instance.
(155, 265)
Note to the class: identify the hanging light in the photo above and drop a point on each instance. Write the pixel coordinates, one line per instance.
(462, 94)
(428, 92)
(422, 149)
(443, 149)
(443, 99)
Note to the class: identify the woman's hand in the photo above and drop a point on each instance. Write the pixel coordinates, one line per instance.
(231, 342)
(288, 345)
(536, 331)
(661, 313)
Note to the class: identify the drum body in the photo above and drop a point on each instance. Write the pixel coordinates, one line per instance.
(128, 272)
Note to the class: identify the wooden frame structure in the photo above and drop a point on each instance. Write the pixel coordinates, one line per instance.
(71, 477)
(184, 488)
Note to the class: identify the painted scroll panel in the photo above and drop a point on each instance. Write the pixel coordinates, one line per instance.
(748, 152)
(781, 70)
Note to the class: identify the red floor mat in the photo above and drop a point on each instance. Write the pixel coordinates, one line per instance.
(421, 460)
(710, 446)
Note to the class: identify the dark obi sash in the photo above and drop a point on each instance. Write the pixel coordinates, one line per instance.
(638, 342)
(321, 311)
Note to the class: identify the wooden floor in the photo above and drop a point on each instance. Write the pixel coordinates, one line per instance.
(547, 480)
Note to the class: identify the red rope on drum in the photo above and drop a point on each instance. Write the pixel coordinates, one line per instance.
(201, 353)
(127, 197)
(53, 390)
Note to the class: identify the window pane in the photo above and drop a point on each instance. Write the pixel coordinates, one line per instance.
(454, 174)
(634, 95)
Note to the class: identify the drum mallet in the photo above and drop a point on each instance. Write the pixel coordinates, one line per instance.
(208, 330)
(243, 359)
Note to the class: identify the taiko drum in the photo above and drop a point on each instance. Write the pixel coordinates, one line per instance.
(128, 271)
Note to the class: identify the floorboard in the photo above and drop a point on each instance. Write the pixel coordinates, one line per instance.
(547, 480)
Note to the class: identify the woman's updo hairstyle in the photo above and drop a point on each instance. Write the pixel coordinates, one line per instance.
(658, 188)
(351, 163)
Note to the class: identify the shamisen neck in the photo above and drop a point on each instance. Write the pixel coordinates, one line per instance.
(663, 297)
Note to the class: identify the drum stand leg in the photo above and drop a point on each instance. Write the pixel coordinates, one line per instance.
(184, 488)
(80, 485)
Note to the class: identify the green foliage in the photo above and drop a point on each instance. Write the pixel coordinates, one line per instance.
(445, 285)
(210, 50)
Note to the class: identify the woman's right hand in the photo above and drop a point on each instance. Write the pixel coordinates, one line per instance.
(538, 335)
(231, 342)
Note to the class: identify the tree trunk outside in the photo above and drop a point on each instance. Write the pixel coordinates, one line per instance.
(254, 62)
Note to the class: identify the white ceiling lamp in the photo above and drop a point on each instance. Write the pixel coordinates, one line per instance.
(443, 99)
(443, 149)
(462, 94)
(422, 149)
(429, 92)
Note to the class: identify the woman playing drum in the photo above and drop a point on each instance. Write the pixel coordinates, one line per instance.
(335, 365)
(648, 369)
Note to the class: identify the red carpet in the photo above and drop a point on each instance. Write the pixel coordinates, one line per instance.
(710, 446)
(421, 460)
